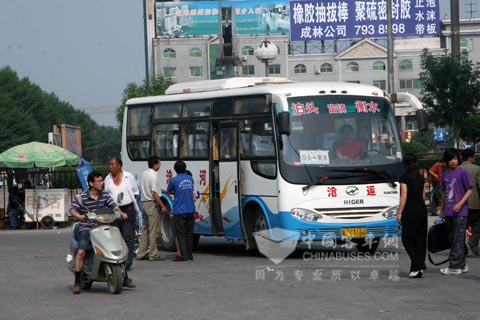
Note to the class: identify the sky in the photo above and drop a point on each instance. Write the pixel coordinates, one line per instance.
(86, 51)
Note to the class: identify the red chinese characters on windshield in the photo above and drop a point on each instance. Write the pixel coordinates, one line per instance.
(365, 107)
(336, 108)
(304, 109)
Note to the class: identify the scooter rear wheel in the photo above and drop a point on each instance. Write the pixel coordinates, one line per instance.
(114, 278)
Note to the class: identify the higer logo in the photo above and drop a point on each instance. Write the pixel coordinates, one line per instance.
(351, 191)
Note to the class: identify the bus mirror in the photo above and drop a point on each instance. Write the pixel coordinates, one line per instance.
(284, 122)
(422, 120)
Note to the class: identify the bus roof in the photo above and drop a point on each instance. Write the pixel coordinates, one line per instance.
(239, 86)
(221, 84)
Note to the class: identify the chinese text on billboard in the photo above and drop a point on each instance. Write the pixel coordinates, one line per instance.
(347, 19)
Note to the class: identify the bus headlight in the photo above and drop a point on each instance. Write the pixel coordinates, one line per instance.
(306, 215)
(391, 213)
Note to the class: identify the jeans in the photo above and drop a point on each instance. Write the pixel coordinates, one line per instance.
(456, 231)
(13, 217)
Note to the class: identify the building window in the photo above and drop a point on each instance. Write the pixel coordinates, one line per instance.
(352, 67)
(405, 65)
(248, 70)
(169, 53)
(274, 69)
(410, 84)
(169, 72)
(195, 53)
(300, 68)
(195, 71)
(247, 51)
(378, 66)
(326, 67)
(463, 42)
(382, 84)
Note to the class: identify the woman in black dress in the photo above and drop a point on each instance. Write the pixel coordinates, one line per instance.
(412, 215)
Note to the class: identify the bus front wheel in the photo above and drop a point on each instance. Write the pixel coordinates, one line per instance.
(167, 232)
(369, 246)
(259, 224)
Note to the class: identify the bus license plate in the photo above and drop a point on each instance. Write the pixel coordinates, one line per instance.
(354, 232)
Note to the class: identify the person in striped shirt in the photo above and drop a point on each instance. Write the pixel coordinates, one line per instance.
(93, 198)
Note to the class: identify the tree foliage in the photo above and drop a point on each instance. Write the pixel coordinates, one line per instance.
(155, 87)
(29, 113)
(451, 89)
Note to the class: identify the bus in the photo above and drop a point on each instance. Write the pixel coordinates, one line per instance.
(265, 154)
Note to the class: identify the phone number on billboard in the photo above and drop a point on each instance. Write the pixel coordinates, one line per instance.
(372, 29)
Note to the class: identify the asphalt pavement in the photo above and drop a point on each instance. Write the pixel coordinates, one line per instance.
(225, 282)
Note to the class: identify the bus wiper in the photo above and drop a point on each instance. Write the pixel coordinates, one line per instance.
(316, 182)
(388, 178)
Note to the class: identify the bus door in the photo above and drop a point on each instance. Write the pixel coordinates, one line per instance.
(227, 191)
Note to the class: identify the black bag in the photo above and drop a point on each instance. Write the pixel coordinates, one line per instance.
(438, 240)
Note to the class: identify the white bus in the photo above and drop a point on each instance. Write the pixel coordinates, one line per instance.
(264, 154)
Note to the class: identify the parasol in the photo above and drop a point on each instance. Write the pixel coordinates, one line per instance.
(37, 155)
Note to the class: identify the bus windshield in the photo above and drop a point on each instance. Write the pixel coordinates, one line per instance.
(343, 138)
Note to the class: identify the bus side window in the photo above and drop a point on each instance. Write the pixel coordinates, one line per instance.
(198, 144)
(245, 141)
(184, 133)
(228, 144)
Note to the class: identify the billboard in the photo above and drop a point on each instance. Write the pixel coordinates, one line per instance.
(72, 138)
(201, 18)
(349, 19)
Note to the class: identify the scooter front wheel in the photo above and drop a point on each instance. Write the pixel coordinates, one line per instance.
(114, 278)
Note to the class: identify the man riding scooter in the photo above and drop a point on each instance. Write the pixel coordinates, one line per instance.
(93, 198)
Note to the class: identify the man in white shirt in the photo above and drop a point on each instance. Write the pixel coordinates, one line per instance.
(151, 218)
(122, 187)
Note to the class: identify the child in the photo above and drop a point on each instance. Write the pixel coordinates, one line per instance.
(456, 189)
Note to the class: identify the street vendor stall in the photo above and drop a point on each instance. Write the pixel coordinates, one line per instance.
(42, 206)
(47, 206)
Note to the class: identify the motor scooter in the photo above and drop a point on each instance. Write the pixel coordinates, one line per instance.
(105, 261)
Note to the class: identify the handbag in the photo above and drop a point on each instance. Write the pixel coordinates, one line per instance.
(438, 240)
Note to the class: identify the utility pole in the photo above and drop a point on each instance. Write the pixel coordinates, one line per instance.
(390, 49)
(455, 28)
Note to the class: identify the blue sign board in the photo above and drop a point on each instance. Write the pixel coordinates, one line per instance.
(440, 135)
(350, 19)
(82, 173)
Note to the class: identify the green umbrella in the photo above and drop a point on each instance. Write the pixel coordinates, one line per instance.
(37, 155)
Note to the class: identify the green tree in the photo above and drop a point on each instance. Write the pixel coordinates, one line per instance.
(155, 87)
(426, 139)
(471, 128)
(451, 89)
(29, 113)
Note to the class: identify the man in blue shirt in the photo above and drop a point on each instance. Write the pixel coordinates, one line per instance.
(182, 186)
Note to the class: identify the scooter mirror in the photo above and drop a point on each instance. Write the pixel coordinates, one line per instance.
(78, 198)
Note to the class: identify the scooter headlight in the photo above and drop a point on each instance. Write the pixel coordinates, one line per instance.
(99, 252)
